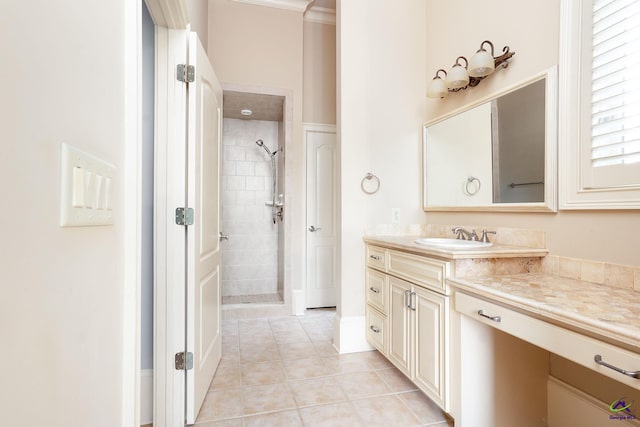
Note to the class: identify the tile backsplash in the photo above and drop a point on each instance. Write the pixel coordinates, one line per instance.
(603, 273)
(504, 236)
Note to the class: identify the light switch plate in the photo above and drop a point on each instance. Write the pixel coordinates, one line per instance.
(85, 189)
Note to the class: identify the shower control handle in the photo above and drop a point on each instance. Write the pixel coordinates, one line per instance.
(223, 236)
(313, 228)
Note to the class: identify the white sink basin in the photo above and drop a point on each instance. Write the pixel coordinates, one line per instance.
(452, 243)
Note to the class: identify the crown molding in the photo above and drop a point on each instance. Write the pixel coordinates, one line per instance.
(169, 13)
(320, 15)
(294, 5)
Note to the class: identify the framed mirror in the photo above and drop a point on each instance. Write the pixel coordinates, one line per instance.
(498, 154)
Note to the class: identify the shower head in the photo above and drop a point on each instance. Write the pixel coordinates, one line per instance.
(260, 143)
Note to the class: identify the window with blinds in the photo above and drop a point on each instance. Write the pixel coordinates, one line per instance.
(599, 104)
(615, 113)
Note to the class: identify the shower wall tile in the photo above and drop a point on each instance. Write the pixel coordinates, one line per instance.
(262, 169)
(255, 183)
(245, 168)
(250, 256)
(232, 153)
(234, 182)
(229, 168)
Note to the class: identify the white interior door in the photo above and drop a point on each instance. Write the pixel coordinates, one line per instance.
(322, 168)
(203, 245)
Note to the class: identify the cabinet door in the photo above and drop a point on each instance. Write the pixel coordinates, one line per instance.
(430, 338)
(400, 325)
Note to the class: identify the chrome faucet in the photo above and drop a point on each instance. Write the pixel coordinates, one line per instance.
(484, 237)
(463, 234)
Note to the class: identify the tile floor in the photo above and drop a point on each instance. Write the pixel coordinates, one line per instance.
(284, 371)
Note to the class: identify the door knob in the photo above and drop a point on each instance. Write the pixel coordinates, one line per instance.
(223, 236)
(313, 228)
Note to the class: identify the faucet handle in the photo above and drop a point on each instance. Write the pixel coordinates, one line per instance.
(484, 237)
(458, 232)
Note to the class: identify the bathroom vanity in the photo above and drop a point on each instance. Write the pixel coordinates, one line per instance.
(475, 328)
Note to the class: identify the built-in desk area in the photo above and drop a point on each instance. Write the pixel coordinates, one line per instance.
(503, 324)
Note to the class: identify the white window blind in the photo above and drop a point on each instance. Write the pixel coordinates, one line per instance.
(615, 89)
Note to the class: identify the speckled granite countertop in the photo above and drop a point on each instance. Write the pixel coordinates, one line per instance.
(407, 243)
(604, 311)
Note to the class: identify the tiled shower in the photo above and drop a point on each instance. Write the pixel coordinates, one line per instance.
(252, 257)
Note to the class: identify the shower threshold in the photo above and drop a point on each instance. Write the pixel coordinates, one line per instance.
(252, 299)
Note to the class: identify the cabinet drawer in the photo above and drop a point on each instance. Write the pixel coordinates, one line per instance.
(571, 345)
(420, 270)
(376, 330)
(376, 257)
(377, 293)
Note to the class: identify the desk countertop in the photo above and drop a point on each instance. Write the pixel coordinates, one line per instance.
(608, 312)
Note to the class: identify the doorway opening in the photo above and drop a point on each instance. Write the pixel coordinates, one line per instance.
(253, 203)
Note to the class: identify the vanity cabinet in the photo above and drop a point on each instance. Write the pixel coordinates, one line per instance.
(408, 317)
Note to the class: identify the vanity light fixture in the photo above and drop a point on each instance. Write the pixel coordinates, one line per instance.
(460, 77)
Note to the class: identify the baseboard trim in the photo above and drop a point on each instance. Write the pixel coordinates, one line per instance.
(349, 334)
(298, 302)
(146, 396)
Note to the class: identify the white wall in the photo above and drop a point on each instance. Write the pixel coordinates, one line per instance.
(381, 107)
(62, 289)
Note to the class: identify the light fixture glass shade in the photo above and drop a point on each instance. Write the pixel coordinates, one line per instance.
(457, 77)
(437, 88)
(481, 64)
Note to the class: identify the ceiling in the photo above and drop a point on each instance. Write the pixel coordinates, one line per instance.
(264, 107)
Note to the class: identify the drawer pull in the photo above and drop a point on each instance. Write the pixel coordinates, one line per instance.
(486, 316)
(374, 290)
(374, 329)
(376, 257)
(632, 374)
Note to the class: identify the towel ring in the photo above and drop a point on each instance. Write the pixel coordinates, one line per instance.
(369, 177)
(475, 190)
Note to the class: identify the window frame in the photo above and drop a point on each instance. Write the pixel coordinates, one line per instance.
(577, 192)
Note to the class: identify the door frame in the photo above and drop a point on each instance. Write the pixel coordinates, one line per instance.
(172, 28)
(132, 204)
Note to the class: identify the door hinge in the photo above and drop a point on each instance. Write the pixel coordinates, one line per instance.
(186, 73)
(184, 216)
(184, 361)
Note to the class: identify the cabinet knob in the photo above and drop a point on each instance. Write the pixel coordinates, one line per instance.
(374, 290)
(374, 329)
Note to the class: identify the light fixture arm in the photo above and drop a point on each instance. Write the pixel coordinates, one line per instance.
(437, 76)
(490, 44)
(466, 63)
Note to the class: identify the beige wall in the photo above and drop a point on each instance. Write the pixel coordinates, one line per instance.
(199, 17)
(533, 33)
(61, 304)
(256, 46)
(319, 73)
